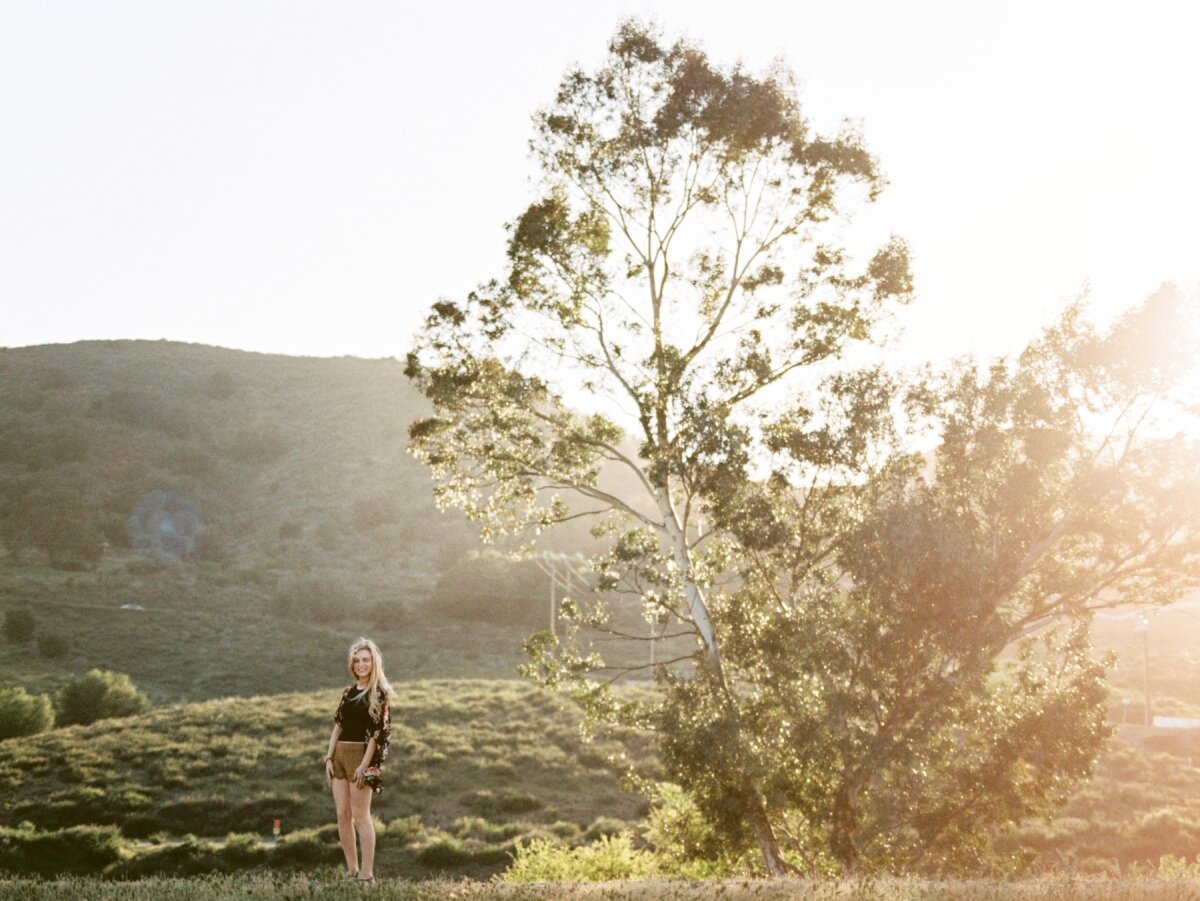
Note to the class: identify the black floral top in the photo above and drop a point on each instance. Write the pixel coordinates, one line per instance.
(354, 710)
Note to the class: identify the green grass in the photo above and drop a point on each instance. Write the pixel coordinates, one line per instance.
(206, 633)
(327, 884)
(477, 763)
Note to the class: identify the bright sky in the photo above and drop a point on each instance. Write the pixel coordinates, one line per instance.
(306, 178)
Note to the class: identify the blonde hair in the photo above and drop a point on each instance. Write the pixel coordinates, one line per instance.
(378, 683)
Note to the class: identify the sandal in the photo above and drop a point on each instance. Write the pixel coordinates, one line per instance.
(368, 881)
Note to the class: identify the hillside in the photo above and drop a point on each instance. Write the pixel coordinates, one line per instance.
(290, 462)
(317, 527)
(475, 766)
(471, 761)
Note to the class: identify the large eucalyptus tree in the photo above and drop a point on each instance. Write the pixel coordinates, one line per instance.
(680, 306)
(684, 261)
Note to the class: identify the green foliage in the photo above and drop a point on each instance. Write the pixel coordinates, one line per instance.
(604, 826)
(98, 694)
(23, 714)
(861, 671)
(317, 598)
(686, 842)
(610, 858)
(195, 856)
(19, 625)
(234, 765)
(79, 849)
(55, 519)
(307, 848)
(253, 441)
(506, 801)
(489, 588)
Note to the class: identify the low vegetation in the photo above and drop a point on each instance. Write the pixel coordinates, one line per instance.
(476, 767)
(329, 885)
(241, 647)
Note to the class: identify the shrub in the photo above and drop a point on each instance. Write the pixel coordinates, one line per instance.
(489, 588)
(79, 849)
(99, 694)
(444, 853)
(53, 645)
(194, 856)
(307, 848)
(612, 857)
(19, 625)
(487, 802)
(56, 519)
(318, 598)
(685, 842)
(23, 714)
(604, 827)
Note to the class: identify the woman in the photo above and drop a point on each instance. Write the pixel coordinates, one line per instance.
(358, 745)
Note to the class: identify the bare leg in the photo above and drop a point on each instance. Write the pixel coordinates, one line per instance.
(360, 804)
(345, 821)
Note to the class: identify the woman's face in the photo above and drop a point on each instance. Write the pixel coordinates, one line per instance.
(361, 664)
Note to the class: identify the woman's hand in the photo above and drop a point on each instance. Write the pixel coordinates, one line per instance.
(329, 770)
(358, 777)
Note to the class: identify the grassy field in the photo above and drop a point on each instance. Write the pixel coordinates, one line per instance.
(320, 528)
(475, 766)
(208, 633)
(328, 885)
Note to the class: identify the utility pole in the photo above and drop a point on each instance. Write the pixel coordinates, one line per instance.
(1143, 626)
(560, 568)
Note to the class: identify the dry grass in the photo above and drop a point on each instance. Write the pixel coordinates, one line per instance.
(328, 885)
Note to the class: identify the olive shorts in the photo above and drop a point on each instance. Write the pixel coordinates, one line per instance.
(347, 756)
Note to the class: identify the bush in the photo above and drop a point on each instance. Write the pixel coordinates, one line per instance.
(307, 848)
(53, 645)
(604, 827)
(23, 714)
(19, 626)
(97, 695)
(194, 856)
(489, 588)
(79, 849)
(444, 853)
(56, 519)
(486, 802)
(612, 857)
(684, 841)
(315, 598)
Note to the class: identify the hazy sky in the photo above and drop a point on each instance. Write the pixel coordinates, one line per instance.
(307, 178)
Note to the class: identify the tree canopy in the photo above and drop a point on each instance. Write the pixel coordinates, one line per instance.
(670, 351)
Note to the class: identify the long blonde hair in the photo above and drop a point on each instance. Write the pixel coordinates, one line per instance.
(379, 683)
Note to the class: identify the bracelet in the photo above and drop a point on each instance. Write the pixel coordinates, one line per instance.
(327, 759)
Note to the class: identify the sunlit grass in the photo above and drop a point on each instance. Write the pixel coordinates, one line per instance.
(328, 884)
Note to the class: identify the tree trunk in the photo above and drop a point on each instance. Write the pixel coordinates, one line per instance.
(698, 609)
(767, 843)
(845, 822)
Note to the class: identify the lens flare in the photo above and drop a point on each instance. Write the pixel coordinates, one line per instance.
(165, 526)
